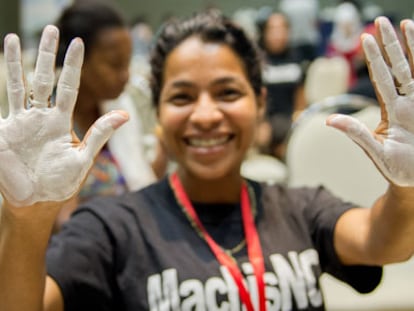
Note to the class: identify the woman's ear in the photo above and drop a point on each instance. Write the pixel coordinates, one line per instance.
(157, 128)
(158, 131)
(261, 103)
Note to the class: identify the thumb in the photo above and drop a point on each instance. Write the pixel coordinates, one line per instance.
(99, 133)
(358, 132)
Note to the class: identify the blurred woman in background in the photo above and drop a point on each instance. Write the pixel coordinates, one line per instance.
(122, 164)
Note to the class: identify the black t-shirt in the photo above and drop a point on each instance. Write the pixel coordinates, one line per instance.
(282, 75)
(139, 252)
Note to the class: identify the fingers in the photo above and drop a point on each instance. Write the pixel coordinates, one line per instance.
(100, 132)
(15, 80)
(359, 133)
(44, 76)
(408, 30)
(399, 64)
(68, 85)
(380, 74)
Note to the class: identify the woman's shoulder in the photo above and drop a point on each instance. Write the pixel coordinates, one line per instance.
(114, 208)
(283, 190)
(299, 198)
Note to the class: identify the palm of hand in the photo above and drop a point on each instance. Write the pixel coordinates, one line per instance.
(396, 159)
(391, 146)
(44, 161)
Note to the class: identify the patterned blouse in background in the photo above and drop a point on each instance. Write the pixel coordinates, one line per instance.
(104, 178)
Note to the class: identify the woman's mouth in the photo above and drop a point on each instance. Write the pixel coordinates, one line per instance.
(208, 142)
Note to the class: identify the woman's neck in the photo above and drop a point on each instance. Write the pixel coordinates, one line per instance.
(223, 190)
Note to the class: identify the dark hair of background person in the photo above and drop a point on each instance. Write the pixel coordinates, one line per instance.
(210, 26)
(86, 19)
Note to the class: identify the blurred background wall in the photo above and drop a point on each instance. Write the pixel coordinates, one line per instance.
(9, 17)
(156, 10)
(24, 16)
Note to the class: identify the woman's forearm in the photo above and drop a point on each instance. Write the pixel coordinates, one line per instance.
(392, 229)
(24, 236)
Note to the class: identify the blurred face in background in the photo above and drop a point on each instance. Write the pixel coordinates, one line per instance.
(276, 34)
(105, 71)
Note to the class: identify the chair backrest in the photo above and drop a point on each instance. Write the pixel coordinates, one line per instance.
(325, 77)
(317, 154)
(264, 168)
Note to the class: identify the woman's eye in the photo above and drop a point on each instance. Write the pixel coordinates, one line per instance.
(180, 99)
(229, 94)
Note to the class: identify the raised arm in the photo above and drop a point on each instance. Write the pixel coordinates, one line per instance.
(42, 164)
(383, 234)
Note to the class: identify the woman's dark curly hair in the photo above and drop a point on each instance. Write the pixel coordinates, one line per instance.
(85, 19)
(209, 26)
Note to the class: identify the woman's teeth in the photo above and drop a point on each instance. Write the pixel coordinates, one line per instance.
(210, 142)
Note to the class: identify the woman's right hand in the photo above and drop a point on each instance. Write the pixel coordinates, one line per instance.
(390, 62)
(41, 160)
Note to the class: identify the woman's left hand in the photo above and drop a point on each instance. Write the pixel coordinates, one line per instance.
(391, 145)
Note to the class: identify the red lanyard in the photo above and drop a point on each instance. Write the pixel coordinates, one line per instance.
(254, 250)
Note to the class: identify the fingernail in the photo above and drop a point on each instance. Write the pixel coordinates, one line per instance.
(334, 120)
(118, 118)
(52, 30)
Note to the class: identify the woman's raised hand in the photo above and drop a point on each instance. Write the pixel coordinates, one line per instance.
(40, 157)
(391, 145)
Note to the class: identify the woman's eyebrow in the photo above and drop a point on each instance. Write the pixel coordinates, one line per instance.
(225, 80)
(181, 83)
(186, 83)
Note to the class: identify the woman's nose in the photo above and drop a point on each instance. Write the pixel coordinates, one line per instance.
(206, 113)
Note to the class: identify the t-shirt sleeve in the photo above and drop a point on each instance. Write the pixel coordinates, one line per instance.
(80, 260)
(322, 215)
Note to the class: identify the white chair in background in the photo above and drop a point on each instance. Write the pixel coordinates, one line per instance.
(264, 168)
(326, 77)
(317, 154)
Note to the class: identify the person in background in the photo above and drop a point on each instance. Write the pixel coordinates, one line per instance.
(283, 75)
(138, 88)
(142, 37)
(345, 37)
(122, 164)
(363, 85)
(304, 26)
(203, 237)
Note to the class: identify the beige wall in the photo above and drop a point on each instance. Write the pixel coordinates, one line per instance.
(155, 10)
(9, 18)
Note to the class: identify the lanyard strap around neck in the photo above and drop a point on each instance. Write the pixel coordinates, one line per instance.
(254, 250)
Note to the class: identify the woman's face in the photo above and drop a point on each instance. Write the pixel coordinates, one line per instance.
(208, 110)
(106, 68)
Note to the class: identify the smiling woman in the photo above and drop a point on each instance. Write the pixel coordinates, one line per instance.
(204, 237)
